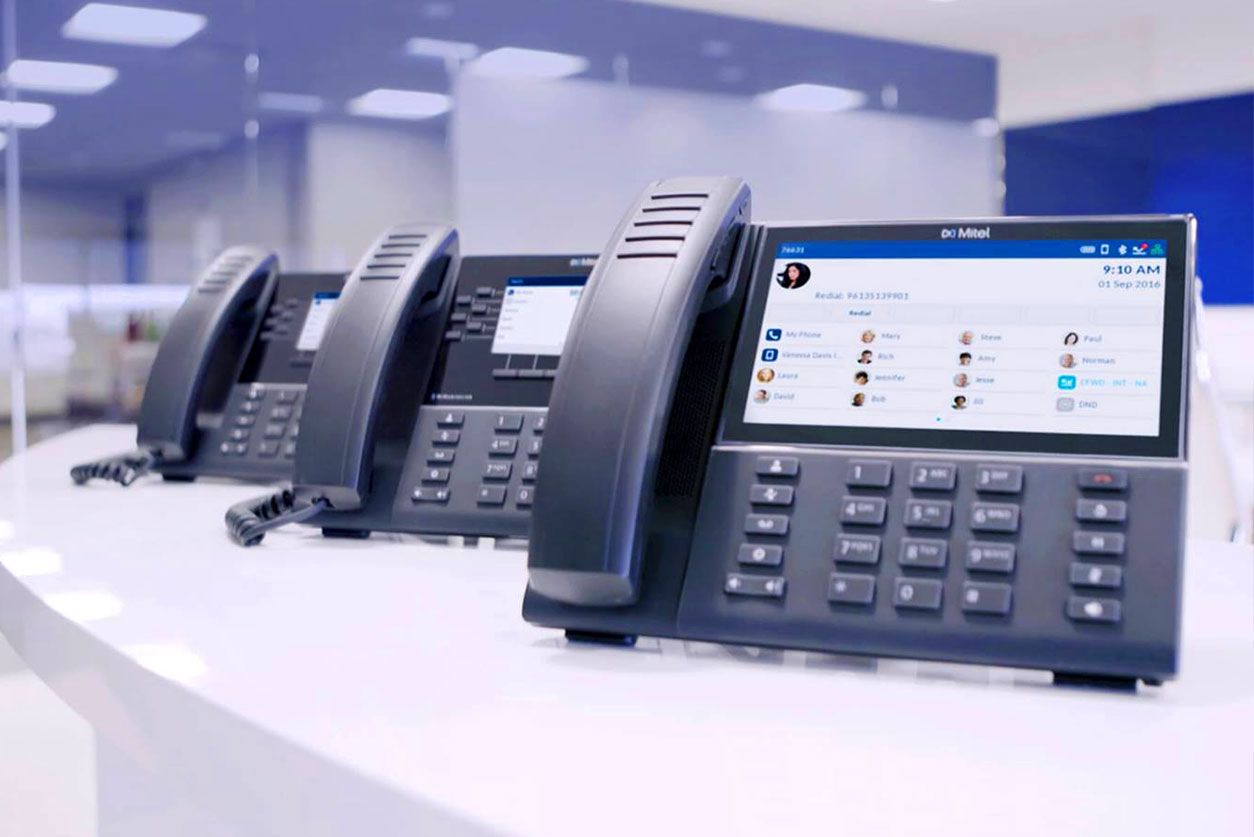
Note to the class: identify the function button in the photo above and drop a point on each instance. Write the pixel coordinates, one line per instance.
(1102, 479)
(245, 421)
(474, 327)
(1083, 609)
(447, 438)
(531, 374)
(766, 524)
(994, 517)
(256, 391)
(857, 549)
(760, 555)
(483, 291)
(268, 449)
(435, 456)
(289, 450)
(225, 448)
(497, 470)
(508, 422)
(843, 588)
(457, 317)
(1101, 511)
(933, 476)
(1096, 575)
(478, 308)
(549, 373)
(491, 495)
(865, 511)
(238, 434)
(503, 374)
(430, 495)
(274, 431)
(463, 299)
(1098, 543)
(534, 446)
(240, 448)
(869, 473)
(450, 418)
(280, 413)
(923, 553)
(990, 557)
(777, 466)
(771, 495)
(437, 475)
(503, 447)
(526, 496)
(288, 396)
(453, 335)
(985, 597)
(538, 425)
(530, 470)
(929, 514)
(769, 587)
(999, 479)
(917, 593)
(250, 407)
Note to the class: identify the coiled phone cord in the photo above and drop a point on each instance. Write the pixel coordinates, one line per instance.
(249, 520)
(123, 469)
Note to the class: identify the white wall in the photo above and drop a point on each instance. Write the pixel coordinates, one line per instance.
(550, 166)
(69, 235)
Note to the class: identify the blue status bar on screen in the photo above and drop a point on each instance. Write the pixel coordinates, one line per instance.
(1076, 249)
(546, 281)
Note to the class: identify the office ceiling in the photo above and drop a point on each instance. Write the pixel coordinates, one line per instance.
(169, 103)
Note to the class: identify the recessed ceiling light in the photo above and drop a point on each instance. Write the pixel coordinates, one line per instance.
(815, 98)
(132, 25)
(436, 48)
(438, 11)
(715, 48)
(730, 74)
(986, 127)
(59, 76)
(290, 102)
(516, 62)
(400, 104)
(26, 114)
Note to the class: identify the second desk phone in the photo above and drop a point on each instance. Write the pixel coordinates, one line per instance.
(945, 440)
(426, 407)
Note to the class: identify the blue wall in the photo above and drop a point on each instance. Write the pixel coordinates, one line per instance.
(1194, 157)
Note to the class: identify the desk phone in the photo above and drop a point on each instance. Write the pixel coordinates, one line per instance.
(227, 386)
(955, 440)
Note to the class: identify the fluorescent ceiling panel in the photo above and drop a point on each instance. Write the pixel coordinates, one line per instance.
(132, 25)
(390, 103)
(59, 76)
(515, 62)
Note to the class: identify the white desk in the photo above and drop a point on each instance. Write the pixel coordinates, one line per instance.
(390, 686)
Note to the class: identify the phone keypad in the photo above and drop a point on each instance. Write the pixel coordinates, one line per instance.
(262, 422)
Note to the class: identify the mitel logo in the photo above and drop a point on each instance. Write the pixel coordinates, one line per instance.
(966, 232)
(586, 261)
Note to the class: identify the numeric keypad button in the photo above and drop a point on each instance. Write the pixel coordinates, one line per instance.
(530, 471)
(857, 549)
(923, 553)
(869, 473)
(1106, 576)
(933, 476)
(990, 557)
(777, 466)
(497, 470)
(771, 495)
(534, 446)
(917, 593)
(760, 555)
(999, 479)
(929, 514)
(1084, 609)
(539, 423)
(1098, 543)
(508, 422)
(766, 524)
(491, 495)
(994, 517)
(769, 587)
(503, 447)
(1101, 511)
(863, 511)
(525, 496)
(846, 588)
(984, 597)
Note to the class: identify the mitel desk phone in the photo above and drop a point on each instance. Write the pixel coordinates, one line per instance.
(225, 393)
(957, 441)
(426, 406)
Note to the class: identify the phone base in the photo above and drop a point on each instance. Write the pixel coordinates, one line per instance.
(1101, 681)
(600, 638)
(178, 477)
(356, 534)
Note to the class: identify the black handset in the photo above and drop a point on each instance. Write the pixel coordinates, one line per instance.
(459, 415)
(956, 440)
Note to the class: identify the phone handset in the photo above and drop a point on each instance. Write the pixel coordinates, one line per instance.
(613, 397)
(209, 333)
(400, 283)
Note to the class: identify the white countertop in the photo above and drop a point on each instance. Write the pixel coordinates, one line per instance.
(314, 686)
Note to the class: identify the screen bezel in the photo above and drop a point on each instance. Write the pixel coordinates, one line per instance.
(1168, 443)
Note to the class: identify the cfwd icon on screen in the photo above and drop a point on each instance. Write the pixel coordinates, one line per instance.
(1066, 381)
(770, 354)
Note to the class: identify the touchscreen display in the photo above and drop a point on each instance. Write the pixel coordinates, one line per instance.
(1019, 336)
(320, 310)
(536, 314)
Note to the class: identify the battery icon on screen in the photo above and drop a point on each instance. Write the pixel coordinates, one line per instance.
(1088, 249)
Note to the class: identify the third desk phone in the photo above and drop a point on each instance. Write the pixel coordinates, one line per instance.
(952, 440)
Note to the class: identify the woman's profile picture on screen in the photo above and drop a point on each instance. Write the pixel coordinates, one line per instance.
(794, 275)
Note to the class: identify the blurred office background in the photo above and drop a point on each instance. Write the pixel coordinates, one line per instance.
(140, 141)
